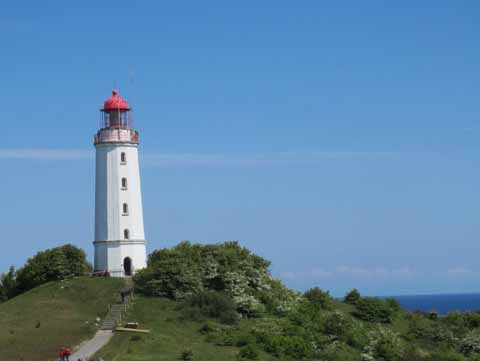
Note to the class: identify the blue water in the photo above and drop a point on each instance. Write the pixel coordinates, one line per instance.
(441, 303)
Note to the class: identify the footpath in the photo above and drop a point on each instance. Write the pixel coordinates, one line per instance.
(105, 333)
(91, 347)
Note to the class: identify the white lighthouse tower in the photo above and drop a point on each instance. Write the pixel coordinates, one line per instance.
(120, 246)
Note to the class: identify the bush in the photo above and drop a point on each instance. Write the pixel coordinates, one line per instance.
(337, 325)
(187, 355)
(374, 310)
(421, 327)
(384, 345)
(8, 285)
(457, 322)
(278, 299)
(247, 353)
(352, 297)
(337, 351)
(293, 347)
(319, 298)
(50, 265)
(210, 327)
(447, 354)
(470, 344)
(185, 270)
(213, 304)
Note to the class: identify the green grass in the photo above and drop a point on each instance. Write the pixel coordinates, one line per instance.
(169, 337)
(34, 325)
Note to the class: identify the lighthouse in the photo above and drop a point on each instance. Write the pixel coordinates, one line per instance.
(120, 245)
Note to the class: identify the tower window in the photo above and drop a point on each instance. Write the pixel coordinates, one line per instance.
(125, 209)
(126, 234)
(123, 158)
(124, 183)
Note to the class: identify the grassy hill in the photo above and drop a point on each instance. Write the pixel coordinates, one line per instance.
(340, 336)
(219, 303)
(35, 324)
(170, 336)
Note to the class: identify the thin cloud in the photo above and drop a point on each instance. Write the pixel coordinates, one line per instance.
(45, 154)
(461, 271)
(379, 273)
(199, 159)
(258, 159)
(345, 271)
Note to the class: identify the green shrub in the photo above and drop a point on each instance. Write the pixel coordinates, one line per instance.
(210, 327)
(293, 347)
(470, 344)
(244, 339)
(337, 351)
(319, 298)
(374, 310)
(187, 355)
(278, 299)
(472, 319)
(185, 270)
(443, 353)
(214, 305)
(393, 304)
(247, 353)
(8, 284)
(352, 297)
(384, 345)
(338, 325)
(422, 328)
(50, 265)
(457, 322)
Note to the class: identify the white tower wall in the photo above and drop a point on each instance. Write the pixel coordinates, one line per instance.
(112, 245)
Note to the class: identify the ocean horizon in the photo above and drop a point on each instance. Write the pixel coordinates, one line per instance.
(441, 303)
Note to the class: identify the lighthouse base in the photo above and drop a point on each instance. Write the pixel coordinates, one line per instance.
(122, 258)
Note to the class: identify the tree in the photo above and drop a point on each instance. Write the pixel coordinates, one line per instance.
(51, 265)
(8, 284)
(189, 269)
(319, 298)
(215, 305)
(352, 297)
(372, 309)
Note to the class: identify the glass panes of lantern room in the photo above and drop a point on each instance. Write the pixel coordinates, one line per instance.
(116, 119)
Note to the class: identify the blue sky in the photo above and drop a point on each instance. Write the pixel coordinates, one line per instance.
(337, 139)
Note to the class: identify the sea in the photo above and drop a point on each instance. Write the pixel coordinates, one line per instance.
(441, 303)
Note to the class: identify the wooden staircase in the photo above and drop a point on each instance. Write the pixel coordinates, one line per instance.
(117, 310)
(113, 317)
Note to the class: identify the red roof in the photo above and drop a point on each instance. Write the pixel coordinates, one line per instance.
(115, 102)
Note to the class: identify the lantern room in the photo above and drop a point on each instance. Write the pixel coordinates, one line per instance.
(116, 122)
(116, 113)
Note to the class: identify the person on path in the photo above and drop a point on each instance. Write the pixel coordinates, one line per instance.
(67, 354)
(61, 354)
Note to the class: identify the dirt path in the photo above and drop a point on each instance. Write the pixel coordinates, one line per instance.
(89, 348)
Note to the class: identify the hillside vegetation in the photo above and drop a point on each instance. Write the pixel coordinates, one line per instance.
(218, 302)
(50, 265)
(172, 335)
(35, 324)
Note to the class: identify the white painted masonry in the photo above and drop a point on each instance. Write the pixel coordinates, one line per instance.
(119, 236)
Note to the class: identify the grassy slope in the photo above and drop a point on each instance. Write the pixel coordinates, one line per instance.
(34, 325)
(169, 337)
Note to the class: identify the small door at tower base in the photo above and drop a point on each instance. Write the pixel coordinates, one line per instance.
(127, 266)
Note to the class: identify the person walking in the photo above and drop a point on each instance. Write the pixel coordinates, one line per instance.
(61, 354)
(67, 354)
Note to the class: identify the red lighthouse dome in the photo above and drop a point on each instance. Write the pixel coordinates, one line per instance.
(115, 102)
